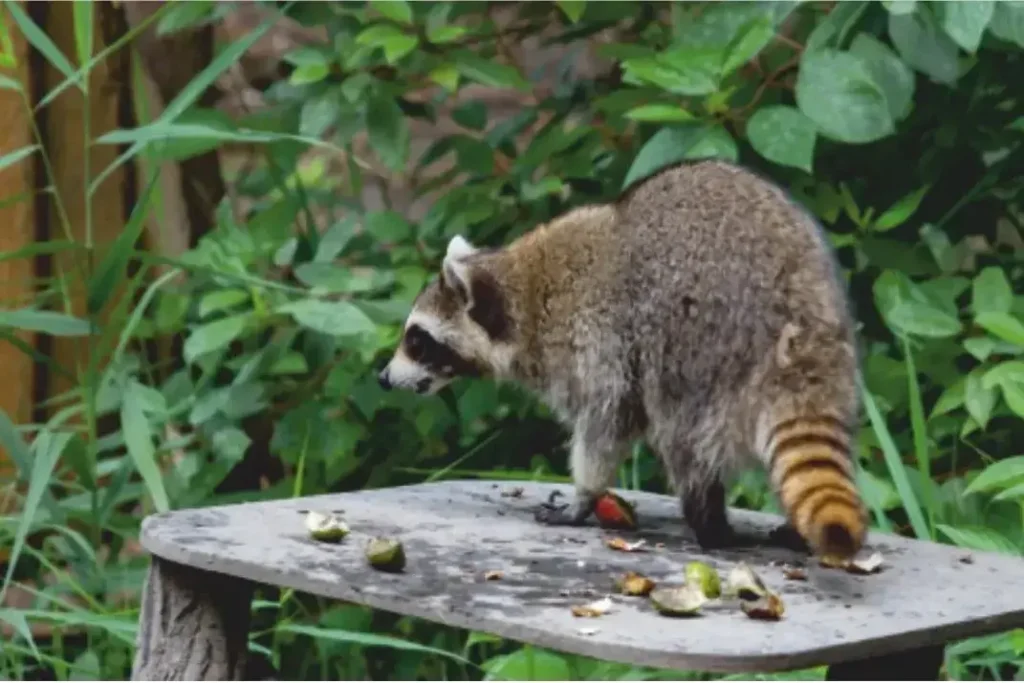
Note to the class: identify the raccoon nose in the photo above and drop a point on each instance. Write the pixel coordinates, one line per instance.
(385, 381)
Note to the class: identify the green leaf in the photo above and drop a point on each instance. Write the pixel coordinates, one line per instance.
(529, 664)
(40, 41)
(783, 135)
(46, 322)
(445, 75)
(888, 71)
(1013, 394)
(979, 399)
(440, 35)
(138, 438)
(659, 112)
(220, 299)
(978, 538)
(17, 621)
(392, 40)
(898, 213)
(488, 72)
(1007, 372)
(395, 10)
(17, 155)
(998, 476)
(471, 114)
(951, 398)
(924, 46)
(573, 9)
(82, 14)
(318, 114)
(14, 445)
(7, 83)
(683, 71)
(388, 132)
(309, 73)
(980, 347)
(836, 91)
(388, 226)
(670, 145)
(1012, 493)
(1002, 325)
(749, 41)
(339, 318)
(965, 21)
(923, 320)
(309, 55)
(214, 335)
(991, 291)
(46, 451)
(1008, 22)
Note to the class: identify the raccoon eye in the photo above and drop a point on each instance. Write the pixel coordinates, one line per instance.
(416, 340)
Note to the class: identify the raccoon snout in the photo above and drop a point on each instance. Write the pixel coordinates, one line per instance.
(423, 385)
(385, 381)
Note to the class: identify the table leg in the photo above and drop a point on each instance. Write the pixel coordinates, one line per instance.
(919, 664)
(193, 625)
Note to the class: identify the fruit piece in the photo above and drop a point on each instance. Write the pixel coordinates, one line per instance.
(678, 601)
(704, 577)
(385, 554)
(594, 609)
(868, 565)
(634, 584)
(493, 575)
(769, 607)
(624, 545)
(833, 562)
(744, 583)
(325, 527)
(613, 512)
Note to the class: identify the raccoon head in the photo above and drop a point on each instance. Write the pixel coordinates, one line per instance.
(459, 327)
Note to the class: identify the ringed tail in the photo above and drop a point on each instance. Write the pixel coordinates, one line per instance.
(812, 471)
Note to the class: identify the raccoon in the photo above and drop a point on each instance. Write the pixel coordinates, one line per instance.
(702, 311)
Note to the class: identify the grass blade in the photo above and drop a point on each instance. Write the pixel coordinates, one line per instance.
(48, 447)
(19, 623)
(919, 429)
(17, 155)
(47, 322)
(371, 640)
(83, 17)
(191, 92)
(13, 444)
(39, 40)
(896, 467)
(139, 440)
(112, 269)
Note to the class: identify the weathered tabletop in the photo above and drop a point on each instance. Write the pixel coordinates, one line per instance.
(453, 532)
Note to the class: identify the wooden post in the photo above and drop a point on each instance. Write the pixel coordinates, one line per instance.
(76, 163)
(194, 625)
(17, 218)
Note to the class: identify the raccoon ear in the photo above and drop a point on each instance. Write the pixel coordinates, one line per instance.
(454, 271)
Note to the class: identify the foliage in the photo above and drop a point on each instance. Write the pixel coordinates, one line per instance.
(899, 124)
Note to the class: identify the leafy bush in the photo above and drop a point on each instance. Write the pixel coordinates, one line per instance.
(898, 123)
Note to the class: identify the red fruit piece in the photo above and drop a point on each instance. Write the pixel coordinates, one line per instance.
(613, 512)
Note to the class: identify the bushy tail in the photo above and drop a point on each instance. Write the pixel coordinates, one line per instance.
(812, 470)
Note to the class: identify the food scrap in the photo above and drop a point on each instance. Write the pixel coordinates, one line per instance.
(705, 578)
(794, 574)
(325, 527)
(678, 601)
(868, 565)
(514, 492)
(385, 554)
(589, 631)
(593, 609)
(613, 512)
(768, 607)
(624, 545)
(743, 583)
(634, 584)
(494, 575)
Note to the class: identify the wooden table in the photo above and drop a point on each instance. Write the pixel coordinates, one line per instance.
(890, 625)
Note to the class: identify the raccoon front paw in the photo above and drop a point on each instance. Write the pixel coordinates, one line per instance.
(785, 536)
(566, 514)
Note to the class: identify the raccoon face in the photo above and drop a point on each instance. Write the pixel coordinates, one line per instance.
(458, 327)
